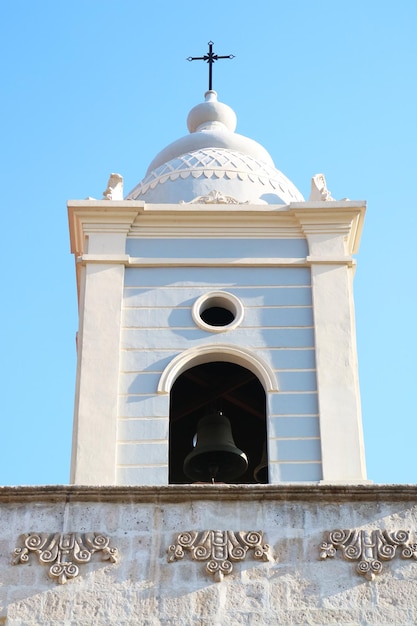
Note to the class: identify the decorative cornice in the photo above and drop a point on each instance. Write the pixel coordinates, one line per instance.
(311, 492)
(99, 216)
(368, 548)
(342, 217)
(64, 552)
(219, 549)
(139, 219)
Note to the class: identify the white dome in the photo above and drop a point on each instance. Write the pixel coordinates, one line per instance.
(239, 176)
(214, 159)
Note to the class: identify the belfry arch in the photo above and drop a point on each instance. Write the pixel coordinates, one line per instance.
(217, 352)
(210, 387)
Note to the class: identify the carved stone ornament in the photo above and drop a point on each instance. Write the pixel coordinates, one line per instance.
(319, 191)
(219, 548)
(369, 548)
(114, 190)
(214, 197)
(64, 552)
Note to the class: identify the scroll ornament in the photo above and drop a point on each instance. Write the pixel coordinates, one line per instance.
(219, 548)
(369, 548)
(64, 552)
(214, 197)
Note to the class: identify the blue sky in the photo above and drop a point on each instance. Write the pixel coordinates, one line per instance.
(92, 87)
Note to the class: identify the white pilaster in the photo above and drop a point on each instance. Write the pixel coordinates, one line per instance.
(100, 230)
(333, 234)
(95, 419)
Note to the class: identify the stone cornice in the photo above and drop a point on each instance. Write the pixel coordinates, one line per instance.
(344, 218)
(310, 492)
(134, 218)
(321, 223)
(99, 216)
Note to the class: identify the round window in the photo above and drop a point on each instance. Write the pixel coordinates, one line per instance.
(217, 311)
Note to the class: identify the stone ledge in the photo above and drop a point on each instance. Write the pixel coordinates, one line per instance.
(181, 493)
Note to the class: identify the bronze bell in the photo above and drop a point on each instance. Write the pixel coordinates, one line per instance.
(260, 473)
(215, 456)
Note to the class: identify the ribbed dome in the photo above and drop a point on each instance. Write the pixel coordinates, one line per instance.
(213, 159)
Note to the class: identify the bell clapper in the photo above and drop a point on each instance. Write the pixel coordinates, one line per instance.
(213, 471)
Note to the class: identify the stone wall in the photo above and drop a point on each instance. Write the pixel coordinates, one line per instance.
(287, 583)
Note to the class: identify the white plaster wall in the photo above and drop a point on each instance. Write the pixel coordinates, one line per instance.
(157, 326)
(296, 588)
(226, 246)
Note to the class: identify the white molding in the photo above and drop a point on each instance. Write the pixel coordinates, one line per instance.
(217, 298)
(321, 221)
(219, 352)
(213, 229)
(309, 220)
(128, 261)
(87, 216)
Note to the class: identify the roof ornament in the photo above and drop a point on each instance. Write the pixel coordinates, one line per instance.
(114, 189)
(211, 58)
(319, 191)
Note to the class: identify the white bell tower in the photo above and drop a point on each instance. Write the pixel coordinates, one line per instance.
(214, 286)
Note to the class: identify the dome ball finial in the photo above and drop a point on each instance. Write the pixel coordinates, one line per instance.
(209, 112)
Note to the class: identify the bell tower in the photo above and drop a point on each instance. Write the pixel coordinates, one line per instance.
(213, 296)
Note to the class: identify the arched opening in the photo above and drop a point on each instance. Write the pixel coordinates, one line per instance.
(211, 387)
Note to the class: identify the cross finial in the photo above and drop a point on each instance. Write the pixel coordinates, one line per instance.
(211, 58)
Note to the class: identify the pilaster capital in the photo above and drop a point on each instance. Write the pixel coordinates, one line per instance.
(90, 217)
(332, 228)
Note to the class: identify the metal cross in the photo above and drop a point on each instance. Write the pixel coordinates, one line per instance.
(211, 58)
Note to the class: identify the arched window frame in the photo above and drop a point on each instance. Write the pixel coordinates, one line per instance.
(219, 352)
